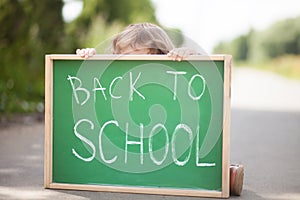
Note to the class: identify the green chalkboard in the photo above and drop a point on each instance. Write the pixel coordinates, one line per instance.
(142, 124)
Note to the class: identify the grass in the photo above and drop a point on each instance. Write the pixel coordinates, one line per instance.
(286, 65)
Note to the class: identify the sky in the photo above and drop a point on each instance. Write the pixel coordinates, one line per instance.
(211, 21)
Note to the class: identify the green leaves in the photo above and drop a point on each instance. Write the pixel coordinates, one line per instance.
(279, 39)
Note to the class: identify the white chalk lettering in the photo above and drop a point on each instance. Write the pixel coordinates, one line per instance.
(79, 88)
(190, 84)
(175, 81)
(100, 141)
(111, 85)
(157, 162)
(84, 139)
(189, 131)
(177, 146)
(82, 95)
(132, 142)
(97, 82)
(132, 88)
(198, 164)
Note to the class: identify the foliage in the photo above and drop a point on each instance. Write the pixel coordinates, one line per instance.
(32, 28)
(283, 38)
(27, 34)
(101, 19)
(279, 39)
(286, 65)
(238, 47)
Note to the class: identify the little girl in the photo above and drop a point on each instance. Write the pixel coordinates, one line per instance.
(143, 38)
(147, 38)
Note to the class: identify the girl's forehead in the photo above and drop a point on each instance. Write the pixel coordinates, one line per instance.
(134, 46)
(135, 50)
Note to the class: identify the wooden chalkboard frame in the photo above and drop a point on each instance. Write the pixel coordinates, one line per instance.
(48, 182)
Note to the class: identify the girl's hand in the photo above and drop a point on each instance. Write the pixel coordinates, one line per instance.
(85, 53)
(181, 53)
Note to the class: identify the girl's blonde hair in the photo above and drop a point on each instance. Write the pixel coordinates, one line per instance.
(143, 35)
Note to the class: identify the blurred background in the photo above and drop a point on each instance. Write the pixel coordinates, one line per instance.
(261, 34)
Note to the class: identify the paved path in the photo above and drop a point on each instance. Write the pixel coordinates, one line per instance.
(261, 90)
(265, 137)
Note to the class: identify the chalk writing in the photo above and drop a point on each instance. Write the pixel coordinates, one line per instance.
(132, 87)
(140, 142)
(170, 146)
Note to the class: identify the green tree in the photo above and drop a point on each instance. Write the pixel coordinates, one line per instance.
(282, 38)
(101, 19)
(32, 28)
(29, 29)
(238, 47)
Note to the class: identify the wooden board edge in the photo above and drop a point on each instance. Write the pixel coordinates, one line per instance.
(139, 190)
(226, 127)
(48, 122)
(215, 57)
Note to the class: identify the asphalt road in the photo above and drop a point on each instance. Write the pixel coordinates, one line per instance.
(265, 138)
